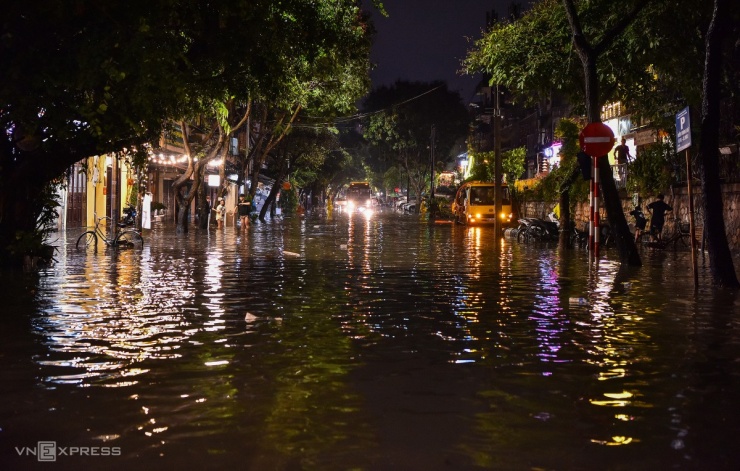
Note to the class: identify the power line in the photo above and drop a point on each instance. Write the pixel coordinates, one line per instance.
(370, 113)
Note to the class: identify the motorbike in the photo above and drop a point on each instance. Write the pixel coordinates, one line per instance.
(537, 229)
(129, 216)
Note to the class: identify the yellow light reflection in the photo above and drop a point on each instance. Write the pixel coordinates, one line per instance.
(611, 374)
(609, 403)
(114, 311)
(622, 395)
(615, 441)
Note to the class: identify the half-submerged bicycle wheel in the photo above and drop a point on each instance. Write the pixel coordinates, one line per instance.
(87, 239)
(130, 239)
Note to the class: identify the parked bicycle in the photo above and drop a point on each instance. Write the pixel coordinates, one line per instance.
(681, 236)
(127, 237)
(580, 237)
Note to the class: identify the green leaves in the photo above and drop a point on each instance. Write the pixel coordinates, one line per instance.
(656, 59)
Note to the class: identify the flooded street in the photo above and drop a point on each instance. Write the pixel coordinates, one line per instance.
(367, 344)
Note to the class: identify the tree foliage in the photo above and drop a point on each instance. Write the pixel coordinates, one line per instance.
(100, 77)
(653, 170)
(399, 126)
(654, 67)
(513, 163)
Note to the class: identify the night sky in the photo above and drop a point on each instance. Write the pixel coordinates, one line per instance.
(424, 40)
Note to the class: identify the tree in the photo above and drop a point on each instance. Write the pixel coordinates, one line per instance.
(513, 163)
(589, 55)
(400, 122)
(347, 163)
(720, 258)
(76, 84)
(320, 66)
(518, 56)
(298, 158)
(105, 76)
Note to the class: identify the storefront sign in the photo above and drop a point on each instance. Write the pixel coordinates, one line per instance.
(645, 137)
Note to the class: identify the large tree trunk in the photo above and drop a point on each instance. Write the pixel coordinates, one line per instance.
(182, 219)
(615, 214)
(273, 191)
(195, 173)
(720, 257)
(270, 199)
(204, 209)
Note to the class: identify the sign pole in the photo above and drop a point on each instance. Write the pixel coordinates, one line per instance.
(683, 142)
(591, 214)
(692, 226)
(595, 217)
(596, 140)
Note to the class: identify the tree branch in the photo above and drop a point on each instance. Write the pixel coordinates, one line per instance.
(617, 29)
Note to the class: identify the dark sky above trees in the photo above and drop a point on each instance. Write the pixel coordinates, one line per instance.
(424, 40)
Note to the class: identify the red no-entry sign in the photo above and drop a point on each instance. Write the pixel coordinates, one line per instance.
(596, 139)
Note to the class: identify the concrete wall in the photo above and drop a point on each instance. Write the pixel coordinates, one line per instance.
(677, 198)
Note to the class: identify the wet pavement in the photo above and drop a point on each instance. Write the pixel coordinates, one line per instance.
(380, 343)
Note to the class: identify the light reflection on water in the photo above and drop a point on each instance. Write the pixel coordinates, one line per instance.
(376, 343)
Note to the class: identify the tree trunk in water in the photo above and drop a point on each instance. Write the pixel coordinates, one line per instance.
(270, 199)
(720, 257)
(615, 214)
(203, 209)
(613, 205)
(182, 219)
(273, 191)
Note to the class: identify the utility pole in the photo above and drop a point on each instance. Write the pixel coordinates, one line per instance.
(432, 205)
(497, 190)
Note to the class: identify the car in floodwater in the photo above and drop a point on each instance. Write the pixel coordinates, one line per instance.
(474, 204)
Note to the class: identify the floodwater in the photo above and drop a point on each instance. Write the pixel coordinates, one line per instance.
(366, 344)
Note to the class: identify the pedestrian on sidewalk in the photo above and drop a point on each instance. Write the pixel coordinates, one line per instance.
(220, 213)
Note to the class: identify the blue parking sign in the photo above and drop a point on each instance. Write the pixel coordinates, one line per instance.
(683, 130)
